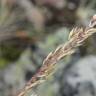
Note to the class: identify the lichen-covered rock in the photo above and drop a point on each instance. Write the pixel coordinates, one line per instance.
(80, 78)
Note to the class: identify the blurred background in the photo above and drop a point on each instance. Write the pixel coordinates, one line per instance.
(29, 30)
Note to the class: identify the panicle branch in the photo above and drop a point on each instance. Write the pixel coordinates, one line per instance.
(76, 38)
